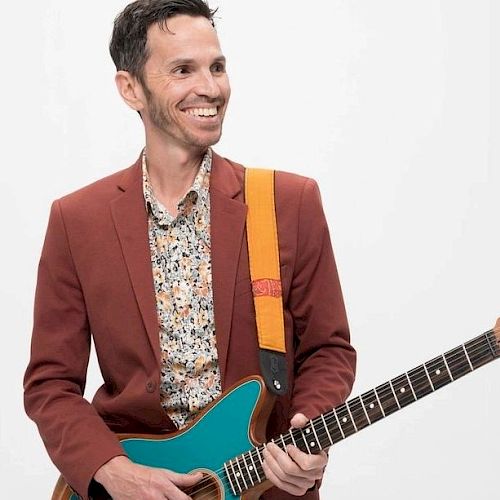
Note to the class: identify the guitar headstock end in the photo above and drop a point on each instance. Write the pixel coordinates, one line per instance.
(496, 332)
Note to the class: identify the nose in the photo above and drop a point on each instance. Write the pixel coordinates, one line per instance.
(206, 85)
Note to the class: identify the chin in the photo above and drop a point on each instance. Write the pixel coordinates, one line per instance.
(204, 141)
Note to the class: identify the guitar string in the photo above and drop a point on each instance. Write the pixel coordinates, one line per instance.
(474, 346)
(472, 350)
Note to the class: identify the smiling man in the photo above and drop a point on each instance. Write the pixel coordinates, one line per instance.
(152, 262)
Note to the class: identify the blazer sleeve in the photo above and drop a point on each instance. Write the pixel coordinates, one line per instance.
(77, 439)
(324, 359)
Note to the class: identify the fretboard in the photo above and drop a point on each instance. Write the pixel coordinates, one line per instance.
(245, 471)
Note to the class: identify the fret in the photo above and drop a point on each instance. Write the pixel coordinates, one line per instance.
(283, 444)
(428, 376)
(387, 398)
(411, 387)
(394, 393)
(372, 406)
(242, 474)
(403, 390)
(254, 467)
(457, 362)
(228, 475)
(235, 475)
(327, 430)
(248, 469)
(437, 372)
(447, 367)
(364, 409)
(333, 424)
(350, 415)
(420, 381)
(492, 344)
(300, 440)
(479, 351)
(310, 443)
(379, 403)
(345, 420)
(259, 456)
(338, 423)
(467, 356)
(293, 439)
(316, 435)
(358, 414)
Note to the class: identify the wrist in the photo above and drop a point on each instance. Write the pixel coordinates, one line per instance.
(108, 470)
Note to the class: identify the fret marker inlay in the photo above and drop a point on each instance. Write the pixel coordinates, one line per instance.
(372, 406)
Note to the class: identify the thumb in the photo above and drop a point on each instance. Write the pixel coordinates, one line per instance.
(184, 480)
(298, 420)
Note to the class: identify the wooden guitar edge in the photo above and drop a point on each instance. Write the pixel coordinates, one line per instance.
(61, 491)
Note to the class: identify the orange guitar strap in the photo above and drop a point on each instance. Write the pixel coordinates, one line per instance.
(263, 253)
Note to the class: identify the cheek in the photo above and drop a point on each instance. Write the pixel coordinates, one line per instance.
(225, 88)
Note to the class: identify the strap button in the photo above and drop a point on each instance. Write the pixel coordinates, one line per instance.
(150, 386)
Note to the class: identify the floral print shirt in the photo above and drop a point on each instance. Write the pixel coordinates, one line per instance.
(182, 274)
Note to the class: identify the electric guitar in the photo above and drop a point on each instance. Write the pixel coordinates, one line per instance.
(225, 441)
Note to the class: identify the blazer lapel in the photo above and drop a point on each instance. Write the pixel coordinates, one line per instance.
(227, 223)
(131, 223)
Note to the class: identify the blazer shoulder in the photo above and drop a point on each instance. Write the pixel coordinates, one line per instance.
(292, 183)
(287, 183)
(99, 192)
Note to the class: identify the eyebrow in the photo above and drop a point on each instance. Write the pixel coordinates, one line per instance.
(186, 61)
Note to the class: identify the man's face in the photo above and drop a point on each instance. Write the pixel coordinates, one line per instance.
(187, 88)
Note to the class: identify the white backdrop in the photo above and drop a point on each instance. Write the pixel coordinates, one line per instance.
(393, 106)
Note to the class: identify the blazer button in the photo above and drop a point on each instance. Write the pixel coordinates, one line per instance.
(150, 386)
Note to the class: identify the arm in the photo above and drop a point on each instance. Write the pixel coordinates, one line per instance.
(322, 349)
(324, 359)
(77, 439)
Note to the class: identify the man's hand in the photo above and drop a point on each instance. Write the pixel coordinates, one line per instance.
(125, 480)
(296, 472)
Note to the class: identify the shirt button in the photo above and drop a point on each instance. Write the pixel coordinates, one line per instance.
(150, 386)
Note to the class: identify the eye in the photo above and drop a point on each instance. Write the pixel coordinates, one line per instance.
(181, 70)
(219, 68)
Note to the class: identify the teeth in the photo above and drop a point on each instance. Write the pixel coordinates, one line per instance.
(202, 111)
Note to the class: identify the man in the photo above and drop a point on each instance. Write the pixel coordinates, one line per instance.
(153, 263)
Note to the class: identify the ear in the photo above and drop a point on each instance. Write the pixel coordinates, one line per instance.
(131, 90)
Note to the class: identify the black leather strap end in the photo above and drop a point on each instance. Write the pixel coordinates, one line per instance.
(274, 370)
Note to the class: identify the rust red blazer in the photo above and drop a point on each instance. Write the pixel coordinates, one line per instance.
(95, 279)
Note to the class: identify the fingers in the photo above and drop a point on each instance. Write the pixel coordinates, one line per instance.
(287, 474)
(315, 464)
(298, 420)
(176, 481)
(184, 480)
(294, 485)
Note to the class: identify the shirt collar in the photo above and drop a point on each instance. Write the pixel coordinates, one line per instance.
(196, 198)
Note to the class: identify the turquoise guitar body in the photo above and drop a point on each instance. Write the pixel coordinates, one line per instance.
(221, 433)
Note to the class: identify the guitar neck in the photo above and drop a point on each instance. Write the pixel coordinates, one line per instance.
(245, 471)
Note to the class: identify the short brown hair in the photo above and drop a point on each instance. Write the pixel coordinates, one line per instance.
(128, 46)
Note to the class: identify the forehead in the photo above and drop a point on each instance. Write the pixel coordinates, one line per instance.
(183, 36)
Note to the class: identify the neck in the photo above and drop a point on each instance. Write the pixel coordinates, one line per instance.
(172, 168)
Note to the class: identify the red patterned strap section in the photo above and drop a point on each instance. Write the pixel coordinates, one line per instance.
(266, 288)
